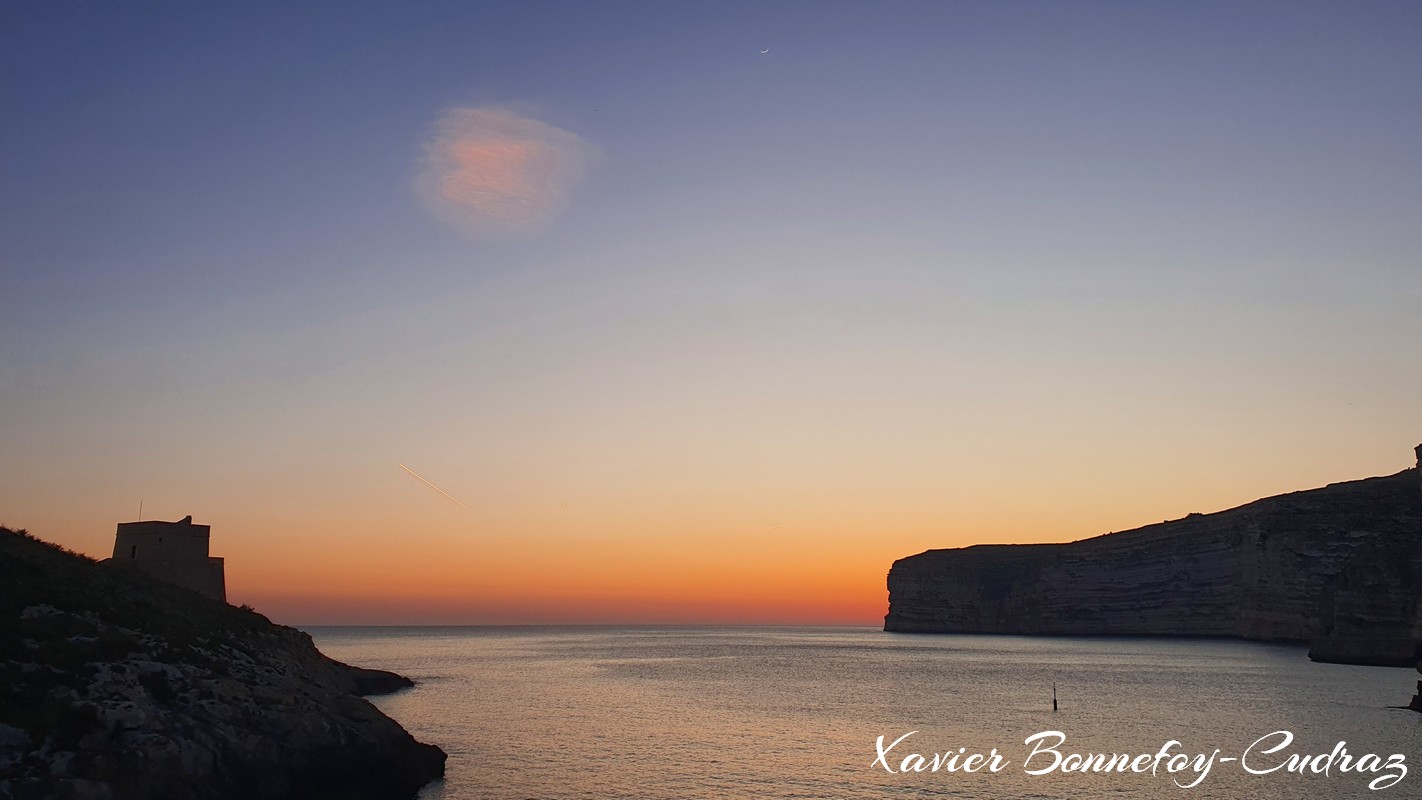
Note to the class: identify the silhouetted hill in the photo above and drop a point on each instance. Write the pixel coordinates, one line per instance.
(116, 685)
(1337, 567)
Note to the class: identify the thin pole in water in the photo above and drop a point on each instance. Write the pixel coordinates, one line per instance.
(1054, 695)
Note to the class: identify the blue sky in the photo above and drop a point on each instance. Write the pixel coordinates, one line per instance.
(905, 252)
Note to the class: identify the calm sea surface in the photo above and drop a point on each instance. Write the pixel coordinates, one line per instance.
(690, 713)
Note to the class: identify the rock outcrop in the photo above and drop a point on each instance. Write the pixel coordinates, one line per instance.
(117, 685)
(1337, 567)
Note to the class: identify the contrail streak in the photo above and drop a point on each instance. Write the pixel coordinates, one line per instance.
(436, 488)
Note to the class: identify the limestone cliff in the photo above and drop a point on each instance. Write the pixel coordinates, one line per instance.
(116, 685)
(1337, 567)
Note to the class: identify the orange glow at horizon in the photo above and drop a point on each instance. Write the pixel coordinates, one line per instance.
(615, 522)
(404, 556)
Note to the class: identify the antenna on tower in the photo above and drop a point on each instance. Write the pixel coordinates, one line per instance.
(140, 510)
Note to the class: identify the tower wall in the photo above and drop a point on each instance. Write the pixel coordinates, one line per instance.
(161, 541)
(176, 552)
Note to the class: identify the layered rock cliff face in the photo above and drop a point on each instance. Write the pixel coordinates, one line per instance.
(116, 685)
(1338, 567)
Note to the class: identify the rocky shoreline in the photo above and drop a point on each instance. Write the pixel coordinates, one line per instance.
(114, 685)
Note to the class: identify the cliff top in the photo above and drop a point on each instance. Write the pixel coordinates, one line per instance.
(38, 573)
(1357, 500)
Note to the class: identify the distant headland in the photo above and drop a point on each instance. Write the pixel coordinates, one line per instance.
(1337, 567)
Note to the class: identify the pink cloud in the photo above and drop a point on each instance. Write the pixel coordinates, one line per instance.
(489, 170)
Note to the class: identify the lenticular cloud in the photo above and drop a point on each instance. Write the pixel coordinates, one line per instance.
(489, 170)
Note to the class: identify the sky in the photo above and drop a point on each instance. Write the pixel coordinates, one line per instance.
(543, 313)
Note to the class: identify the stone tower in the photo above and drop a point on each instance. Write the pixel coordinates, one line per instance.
(175, 552)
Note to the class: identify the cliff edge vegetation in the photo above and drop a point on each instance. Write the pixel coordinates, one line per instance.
(116, 685)
(1336, 567)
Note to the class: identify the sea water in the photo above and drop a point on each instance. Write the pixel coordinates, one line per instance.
(759, 712)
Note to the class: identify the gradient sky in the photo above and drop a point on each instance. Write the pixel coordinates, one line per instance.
(694, 332)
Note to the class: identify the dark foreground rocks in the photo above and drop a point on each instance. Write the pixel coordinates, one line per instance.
(114, 685)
